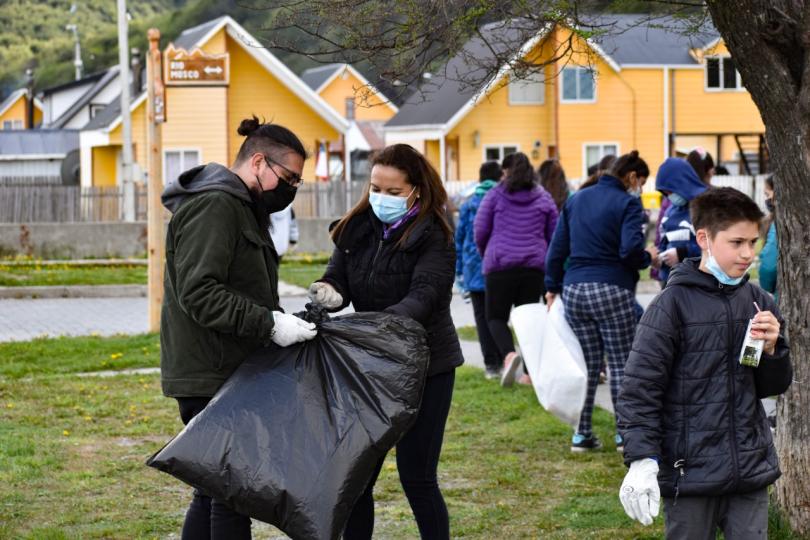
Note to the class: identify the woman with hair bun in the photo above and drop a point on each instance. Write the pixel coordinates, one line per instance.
(221, 289)
(600, 234)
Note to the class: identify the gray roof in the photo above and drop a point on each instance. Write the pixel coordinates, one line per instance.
(86, 98)
(87, 79)
(190, 36)
(38, 141)
(315, 77)
(642, 39)
(627, 39)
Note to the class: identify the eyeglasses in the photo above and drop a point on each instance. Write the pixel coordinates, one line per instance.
(294, 179)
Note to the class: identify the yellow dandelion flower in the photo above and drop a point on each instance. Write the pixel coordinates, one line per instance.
(9, 405)
(88, 418)
(128, 422)
(65, 433)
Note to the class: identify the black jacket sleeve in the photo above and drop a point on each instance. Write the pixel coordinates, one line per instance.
(335, 276)
(775, 372)
(646, 377)
(432, 279)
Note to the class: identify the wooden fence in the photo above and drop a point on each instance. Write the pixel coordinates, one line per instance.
(56, 203)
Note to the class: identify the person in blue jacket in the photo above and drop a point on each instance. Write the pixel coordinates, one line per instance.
(769, 255)
(679, 183)
(468, 266)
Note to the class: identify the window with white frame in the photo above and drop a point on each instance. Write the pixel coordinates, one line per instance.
(530, 90)
(578, 85)
(7, 124)
(496, 152)
(175, 162)
(594, 152)
(721, 74)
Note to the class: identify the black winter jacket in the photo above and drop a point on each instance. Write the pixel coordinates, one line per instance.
(375, 274)
(686, 400)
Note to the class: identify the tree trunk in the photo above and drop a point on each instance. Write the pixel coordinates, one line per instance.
(770, 40)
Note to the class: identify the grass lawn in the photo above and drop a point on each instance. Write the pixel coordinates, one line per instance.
(34, 275)
(72, 451)
(296, 272)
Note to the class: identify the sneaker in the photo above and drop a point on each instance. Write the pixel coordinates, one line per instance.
(492, 373)
(579, 443)
(619, 443)
(510, 366)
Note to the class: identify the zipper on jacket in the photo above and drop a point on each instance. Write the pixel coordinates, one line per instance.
(373, 262)
(680, 467)
(732, 390)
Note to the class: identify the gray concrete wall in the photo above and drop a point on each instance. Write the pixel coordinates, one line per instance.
(113, 239)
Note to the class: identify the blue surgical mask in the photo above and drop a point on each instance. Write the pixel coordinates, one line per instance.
(677, 200)
(389, 208)
(714, 267)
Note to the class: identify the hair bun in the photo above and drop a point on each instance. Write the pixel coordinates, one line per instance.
(634, 154)
(248, 126)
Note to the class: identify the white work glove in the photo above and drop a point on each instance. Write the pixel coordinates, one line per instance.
(289, 329)
(323, 294)
(639, 493)
(669, 257)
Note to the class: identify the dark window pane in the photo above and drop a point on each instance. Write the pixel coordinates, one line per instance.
(569, 83)
(713, 72)
(729, 74)
(493, 154)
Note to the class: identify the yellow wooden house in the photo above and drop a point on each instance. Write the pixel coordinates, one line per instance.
(641, 86)
(349, 92)
(13, 111)
(201, 120)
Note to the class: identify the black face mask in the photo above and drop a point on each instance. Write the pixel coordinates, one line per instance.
(279, 198)
(769, 205)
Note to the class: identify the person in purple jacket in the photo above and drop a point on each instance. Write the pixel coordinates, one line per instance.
(513, 228)
(600, 235)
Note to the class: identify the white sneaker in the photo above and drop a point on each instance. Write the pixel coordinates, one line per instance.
(510, 366)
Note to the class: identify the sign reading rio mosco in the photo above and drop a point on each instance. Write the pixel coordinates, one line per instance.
(183, 68)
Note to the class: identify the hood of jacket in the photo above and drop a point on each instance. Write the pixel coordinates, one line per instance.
(677, 176)
(211, 177)
(482, 188)
(689, 273)
(522, 197)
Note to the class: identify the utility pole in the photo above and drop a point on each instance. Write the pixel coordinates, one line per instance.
(29, 99)
(155, 237)
(77, 48)
(126, 118)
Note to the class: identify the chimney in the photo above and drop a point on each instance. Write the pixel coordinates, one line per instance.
(29, 98)
(137, 71)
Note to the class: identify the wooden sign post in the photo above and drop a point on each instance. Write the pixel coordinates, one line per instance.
(156, 237)
(195, 68)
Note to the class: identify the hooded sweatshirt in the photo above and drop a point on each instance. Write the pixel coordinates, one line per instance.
(221, 282)
(513, 230)
(676, 176)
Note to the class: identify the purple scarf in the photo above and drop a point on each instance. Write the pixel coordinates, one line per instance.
(388, 229)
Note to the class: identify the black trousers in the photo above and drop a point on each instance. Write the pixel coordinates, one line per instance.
(417, 461)
(505, 289)
(742, 516)
(492, 358)
(207, 518)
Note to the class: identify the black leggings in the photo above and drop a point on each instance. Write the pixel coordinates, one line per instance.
(492, 358)
(417, 460)
(209, 518)
(513, 287)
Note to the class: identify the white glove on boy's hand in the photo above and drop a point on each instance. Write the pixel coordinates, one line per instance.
(639, 493)
(325, 295)
(290, 329)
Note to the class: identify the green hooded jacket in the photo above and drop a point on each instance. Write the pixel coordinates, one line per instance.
(221, 282)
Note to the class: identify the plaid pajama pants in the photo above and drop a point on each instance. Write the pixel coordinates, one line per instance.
(603, 318)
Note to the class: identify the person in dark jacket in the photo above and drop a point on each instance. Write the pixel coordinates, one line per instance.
(695, 430)
(679, 183)
(394, 252)
(600, 233)
(468, 266)
(513, 228)
(221, 286)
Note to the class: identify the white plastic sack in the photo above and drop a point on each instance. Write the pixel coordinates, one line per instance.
(553, 358)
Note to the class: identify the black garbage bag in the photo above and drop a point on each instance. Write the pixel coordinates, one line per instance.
(294, 436)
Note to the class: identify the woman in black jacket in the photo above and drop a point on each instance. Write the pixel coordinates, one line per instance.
(394, 252)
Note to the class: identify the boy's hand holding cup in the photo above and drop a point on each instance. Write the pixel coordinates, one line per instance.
(766, 327)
